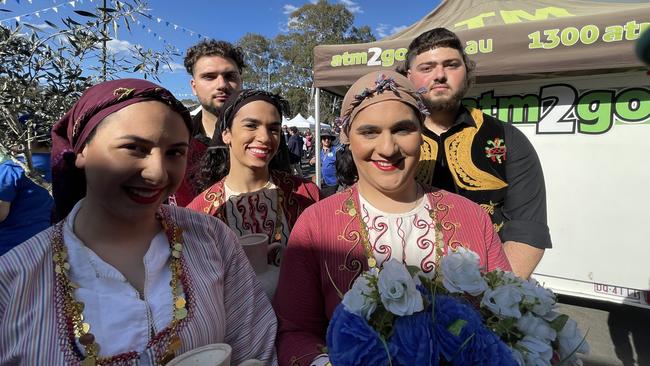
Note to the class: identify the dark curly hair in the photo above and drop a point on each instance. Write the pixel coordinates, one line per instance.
(432, 39)
(213, 48)
(346, 170)
(215, 164)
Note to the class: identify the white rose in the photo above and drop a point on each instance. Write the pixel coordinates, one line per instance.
(538, 352)
(571, 340)
(531, 325)
(460, 272)
(397, 289)
(503, 300)
(518, 357)
(358, 299)
(542, 299)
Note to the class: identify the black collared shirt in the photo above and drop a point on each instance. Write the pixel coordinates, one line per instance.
(198, 132)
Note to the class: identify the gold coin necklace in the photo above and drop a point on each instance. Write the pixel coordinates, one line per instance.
(73, 309)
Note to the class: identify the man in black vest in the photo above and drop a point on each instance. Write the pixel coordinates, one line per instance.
(475, 155)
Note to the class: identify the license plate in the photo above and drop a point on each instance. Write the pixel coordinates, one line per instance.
(628, 293)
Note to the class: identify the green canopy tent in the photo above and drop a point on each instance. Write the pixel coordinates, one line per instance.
(508, 39)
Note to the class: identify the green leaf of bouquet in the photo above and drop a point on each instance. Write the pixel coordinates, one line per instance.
(413, 270)
(456, 327)
(559, 322)
(382, 321)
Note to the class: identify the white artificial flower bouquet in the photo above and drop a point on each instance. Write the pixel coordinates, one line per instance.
(454, 315)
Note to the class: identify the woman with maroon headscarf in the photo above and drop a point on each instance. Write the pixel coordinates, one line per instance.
(123, 279)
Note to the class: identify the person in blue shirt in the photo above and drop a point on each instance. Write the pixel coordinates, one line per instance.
(25, 207)
(329, 183)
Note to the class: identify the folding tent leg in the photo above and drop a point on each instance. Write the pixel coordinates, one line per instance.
(318, 143)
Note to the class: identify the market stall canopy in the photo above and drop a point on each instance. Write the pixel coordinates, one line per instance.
(298, 121)
(303, 123)
(517, 39)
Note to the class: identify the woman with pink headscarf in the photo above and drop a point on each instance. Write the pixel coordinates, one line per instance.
(384, 215)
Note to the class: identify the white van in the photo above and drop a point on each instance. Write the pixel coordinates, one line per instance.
(592, 135)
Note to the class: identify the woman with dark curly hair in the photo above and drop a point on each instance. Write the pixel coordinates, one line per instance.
(246, 171)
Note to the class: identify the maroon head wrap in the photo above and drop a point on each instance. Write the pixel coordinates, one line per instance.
(70, 134)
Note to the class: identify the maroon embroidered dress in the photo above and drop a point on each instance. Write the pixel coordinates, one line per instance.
(326, 254)
(257, 212)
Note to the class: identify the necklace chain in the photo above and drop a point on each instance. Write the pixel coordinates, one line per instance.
(354, 211)
(73, 309)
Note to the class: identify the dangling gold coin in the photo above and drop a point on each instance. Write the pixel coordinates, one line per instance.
(180, 303)
(89, 361)
(178, 291)
(175, 343)
(168, 356)
(372, 262)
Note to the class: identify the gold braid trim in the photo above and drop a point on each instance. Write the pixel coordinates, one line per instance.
(458, 148)
(488, 207)
(351, 237)
(123, 93)
(427, 163)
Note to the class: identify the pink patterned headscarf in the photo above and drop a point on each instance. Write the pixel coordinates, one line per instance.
(376, 87)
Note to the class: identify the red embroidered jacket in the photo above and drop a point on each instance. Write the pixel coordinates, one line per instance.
(325, 255)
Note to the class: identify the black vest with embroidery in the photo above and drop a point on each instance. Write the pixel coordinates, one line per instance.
(475, 157)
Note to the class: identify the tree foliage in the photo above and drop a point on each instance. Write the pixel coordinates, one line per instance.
(261, 70)
(44, 70)
(310, 25)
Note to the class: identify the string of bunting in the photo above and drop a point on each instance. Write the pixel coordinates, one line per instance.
(142, 25)
(176, 27)
(37, 13)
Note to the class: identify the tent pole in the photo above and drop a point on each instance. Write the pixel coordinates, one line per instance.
(317, 147)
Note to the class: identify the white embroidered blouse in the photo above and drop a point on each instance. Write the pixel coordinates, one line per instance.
(408, 237)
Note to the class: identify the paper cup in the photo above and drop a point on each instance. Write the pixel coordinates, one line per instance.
(256, 248)
(217, 354)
